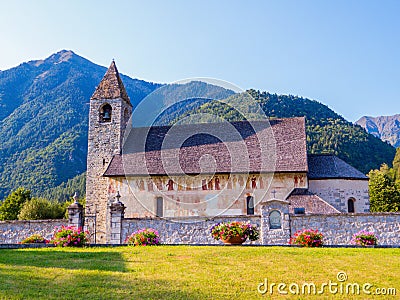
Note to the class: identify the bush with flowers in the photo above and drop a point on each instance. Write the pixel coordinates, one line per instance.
(307, 238)
(224, 231)
(364, 238)
(34, 239)
(70, 236)
(143, 237)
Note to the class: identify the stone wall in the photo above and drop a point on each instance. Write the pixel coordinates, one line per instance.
(194, 230)
(12, 232)
(338, 229)
(338, 191)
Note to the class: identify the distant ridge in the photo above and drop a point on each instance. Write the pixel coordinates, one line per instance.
(387, 128)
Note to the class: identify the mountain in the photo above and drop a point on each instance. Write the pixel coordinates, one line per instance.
(327, 132)
(387, 128)
(44, 121)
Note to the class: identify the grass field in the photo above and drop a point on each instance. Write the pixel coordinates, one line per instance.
(190, 272)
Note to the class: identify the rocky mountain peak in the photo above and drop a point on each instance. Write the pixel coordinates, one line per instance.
(387, 128)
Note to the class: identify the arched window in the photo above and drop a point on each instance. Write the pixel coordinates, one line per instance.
(350, 205)
(159, 207)
(250, 205)
(105, 113)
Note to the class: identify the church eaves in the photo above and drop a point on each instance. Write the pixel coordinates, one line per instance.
(111, 86)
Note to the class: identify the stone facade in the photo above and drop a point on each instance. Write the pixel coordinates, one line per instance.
(203, 195)
(338, 229)
(337, 192)
(105, 140)
(13, 232)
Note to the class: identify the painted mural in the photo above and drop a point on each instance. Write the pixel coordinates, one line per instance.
(201, 195)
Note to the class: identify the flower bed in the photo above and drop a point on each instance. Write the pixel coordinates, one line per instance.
(143, 237)
(307, 238)
(70, 236)
(34, 239)
(364, 238)
(244, 230)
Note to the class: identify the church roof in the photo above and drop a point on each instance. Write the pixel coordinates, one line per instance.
(111, 86)
(313, 204)
(238, 147)
(328, 166)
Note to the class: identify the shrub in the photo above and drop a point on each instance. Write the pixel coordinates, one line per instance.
(41, 209)
(12, 205)
(307, 238)
(364, 238)
(70, 236)
(143, 237)
(35, 239)
(245, 230)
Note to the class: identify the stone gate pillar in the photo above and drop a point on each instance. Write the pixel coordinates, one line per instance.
(75, 214)
(116, 214)
(275, 222)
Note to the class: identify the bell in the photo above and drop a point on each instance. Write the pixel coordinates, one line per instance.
(107, 115)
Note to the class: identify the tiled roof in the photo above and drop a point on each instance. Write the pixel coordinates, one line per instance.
(322, 166)
(311, 203)
(111, 86)
(278, 145)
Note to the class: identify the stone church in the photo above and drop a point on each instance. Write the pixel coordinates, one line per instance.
(158, 181)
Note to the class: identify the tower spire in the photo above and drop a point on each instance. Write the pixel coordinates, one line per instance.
(111, 86)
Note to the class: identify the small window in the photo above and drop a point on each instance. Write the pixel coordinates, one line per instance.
(299, 210)
(350, 205)
(275, 221)
(105, 113)
(159, 207)
(250, 205)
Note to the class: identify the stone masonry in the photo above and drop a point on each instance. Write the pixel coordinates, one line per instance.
(105, 140)
(338, 229)
(191, 230)
(13, 232)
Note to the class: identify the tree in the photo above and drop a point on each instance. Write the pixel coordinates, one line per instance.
(396, 165)
(383, 191)
(41, 209)
(11, 206)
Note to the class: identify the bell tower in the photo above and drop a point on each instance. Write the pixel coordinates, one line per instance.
(110, 110)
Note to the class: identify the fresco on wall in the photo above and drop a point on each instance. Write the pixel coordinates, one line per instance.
(202, 195)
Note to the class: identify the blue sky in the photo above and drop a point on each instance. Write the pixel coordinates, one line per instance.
(345, 54)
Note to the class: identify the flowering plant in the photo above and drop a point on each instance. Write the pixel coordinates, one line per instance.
(307, 238)
(70, 236)
(245, 230)
(34, 239)
(364, 238)
(143, 237)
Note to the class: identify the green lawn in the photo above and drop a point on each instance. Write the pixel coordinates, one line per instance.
(184, 272)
